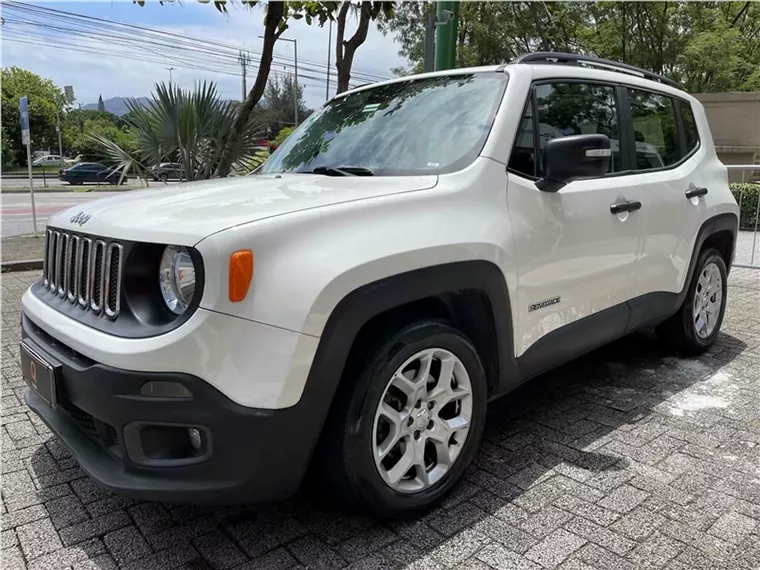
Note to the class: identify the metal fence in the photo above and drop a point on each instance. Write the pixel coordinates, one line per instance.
(746, 246)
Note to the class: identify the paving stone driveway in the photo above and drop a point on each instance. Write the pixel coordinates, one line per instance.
(628, 458)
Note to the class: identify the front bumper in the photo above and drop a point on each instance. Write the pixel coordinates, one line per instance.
(254, 454)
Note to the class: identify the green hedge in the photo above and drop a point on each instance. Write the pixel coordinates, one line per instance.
(751, 193)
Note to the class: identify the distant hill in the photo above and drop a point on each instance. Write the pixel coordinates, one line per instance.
(115, 105)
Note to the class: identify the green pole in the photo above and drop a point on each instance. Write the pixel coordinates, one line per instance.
(446, 35)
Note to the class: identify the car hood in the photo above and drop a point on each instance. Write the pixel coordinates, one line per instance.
(183, 214)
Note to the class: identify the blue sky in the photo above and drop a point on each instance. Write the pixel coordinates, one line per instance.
(108, 75)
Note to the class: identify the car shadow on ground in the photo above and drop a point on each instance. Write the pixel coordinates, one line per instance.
(558, 446)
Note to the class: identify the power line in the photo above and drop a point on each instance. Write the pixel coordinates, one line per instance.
(79, 48)
(216, 60)
(157, 38)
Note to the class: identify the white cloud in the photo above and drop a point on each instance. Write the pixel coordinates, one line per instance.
(103, 74)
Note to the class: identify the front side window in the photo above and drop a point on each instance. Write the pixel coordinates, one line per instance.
(420, 126)
(654, 129)
(566, 109)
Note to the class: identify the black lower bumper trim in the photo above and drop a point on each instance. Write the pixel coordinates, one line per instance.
(257, 454)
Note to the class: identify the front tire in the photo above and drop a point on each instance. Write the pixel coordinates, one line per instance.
(408, 422)
(696, 325)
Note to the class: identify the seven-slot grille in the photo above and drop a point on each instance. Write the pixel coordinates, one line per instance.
(84, 270)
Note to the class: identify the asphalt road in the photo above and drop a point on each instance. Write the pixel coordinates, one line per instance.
(16, 209)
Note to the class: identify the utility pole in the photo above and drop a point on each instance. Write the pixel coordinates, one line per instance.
(329, 51)
(446, 35)
(170, 69)
(428, 61)
(244, 59)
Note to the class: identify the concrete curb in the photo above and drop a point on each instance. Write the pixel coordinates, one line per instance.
(22, 265)
(19, 190)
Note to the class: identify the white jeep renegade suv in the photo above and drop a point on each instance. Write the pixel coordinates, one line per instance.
(415, 249)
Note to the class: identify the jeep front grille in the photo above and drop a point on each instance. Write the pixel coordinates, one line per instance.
(84, 270)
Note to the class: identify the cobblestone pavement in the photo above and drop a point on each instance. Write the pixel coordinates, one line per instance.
(744, 245)
(631, 457)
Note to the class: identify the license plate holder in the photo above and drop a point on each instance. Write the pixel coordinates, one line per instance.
(39, 374)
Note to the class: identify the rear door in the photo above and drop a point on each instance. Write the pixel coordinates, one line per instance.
(577, 258)
(669, 183)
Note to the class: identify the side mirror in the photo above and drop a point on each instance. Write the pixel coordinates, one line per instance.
(574, 157)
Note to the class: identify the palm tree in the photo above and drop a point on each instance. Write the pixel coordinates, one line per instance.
(188, 127)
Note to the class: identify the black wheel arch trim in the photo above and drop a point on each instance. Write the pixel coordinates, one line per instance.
(722, 222)
(358, 307)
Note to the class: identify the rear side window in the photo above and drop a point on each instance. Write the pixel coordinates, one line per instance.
(689, 125)
(655, 130)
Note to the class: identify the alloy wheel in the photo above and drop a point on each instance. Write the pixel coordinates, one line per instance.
(422, 420)
(708, 299)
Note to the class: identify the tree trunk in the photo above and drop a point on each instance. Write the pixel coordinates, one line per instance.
(274, 16)
(345, 49)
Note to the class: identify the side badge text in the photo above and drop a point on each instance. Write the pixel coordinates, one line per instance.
(543, 304)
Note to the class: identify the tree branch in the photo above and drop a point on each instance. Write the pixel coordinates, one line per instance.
(274, 17)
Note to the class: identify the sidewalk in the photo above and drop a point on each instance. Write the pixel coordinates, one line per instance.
(25, 248)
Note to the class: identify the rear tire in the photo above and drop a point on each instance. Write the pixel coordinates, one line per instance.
(387, 406)
(696, 325)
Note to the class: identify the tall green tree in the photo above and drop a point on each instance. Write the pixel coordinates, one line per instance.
(345, 49)
(44, 99)
(101, 105)
(280, 96)
(707, 46)
(78, 126)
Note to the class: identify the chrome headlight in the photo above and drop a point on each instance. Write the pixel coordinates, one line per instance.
(176, 277)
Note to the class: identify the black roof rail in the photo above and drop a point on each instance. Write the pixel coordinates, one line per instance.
(574, 59)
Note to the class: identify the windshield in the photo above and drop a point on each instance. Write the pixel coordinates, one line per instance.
(421, 126)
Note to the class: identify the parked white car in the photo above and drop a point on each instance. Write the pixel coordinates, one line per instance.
(47, 160)
(411, 252)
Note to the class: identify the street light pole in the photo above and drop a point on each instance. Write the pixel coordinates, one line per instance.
(58, 128)
(170, 69)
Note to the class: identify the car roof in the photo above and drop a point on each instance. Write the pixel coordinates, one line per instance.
(545, 70)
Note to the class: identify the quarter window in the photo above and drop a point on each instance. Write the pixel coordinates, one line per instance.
(654, 129)
(523, 159)
(689, 125)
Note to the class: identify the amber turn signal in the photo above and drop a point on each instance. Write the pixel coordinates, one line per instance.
(241, 273)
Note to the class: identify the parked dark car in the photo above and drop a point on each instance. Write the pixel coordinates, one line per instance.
(90, 172)
(168, 171)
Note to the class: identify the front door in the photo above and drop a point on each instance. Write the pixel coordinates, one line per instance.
(577, 253)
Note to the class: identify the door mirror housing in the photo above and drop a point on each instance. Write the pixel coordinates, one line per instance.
(574, 157)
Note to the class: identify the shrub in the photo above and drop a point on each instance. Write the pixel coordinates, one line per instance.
(750, 195)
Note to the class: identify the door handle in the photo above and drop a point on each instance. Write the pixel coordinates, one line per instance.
(695, 192)
(620, 207)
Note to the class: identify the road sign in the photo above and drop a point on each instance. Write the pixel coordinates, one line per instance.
(23, 104)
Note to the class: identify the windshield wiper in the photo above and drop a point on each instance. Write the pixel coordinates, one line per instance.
(342, 171)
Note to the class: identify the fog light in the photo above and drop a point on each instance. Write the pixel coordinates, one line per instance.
(195, 438)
